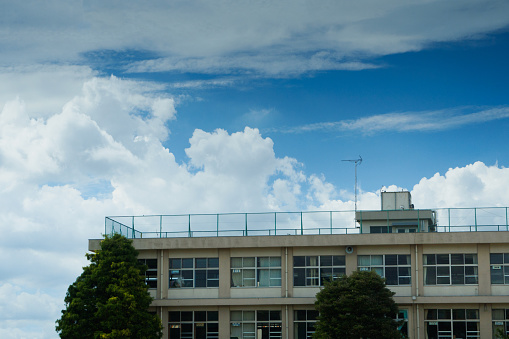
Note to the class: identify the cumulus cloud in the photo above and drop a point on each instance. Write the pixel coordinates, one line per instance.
(102, 153)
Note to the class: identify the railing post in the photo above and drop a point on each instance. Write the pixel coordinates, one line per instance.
(449, 213)
(475, 217)
(161, 226)
(275, 223)
(360, 214)
(387, 221)
(330, 222)
(245, 221)
(217, 225)
(189, 226)
(506, 219)
(133, 235)
(301, 225)
(418, 223)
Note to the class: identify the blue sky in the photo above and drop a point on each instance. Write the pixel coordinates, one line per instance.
(171, 107)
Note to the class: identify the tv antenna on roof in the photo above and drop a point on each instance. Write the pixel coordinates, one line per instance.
(357, 162)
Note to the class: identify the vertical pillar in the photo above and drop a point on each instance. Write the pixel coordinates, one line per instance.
(483, 260)
(485, 324)
(224, 321)
(224, 272)
(163, 314)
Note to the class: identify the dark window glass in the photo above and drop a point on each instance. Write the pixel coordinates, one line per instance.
(187, 263)
(174, 316)
(200, 262)
(212, 315)
(497, 275)
(403, 259)
(186, 316)
(430, 274)
(391, 260)
(213, 262)
(200, 316)
(200, 278)
(299, 261)
(429, 259)
(442, 259)
(326, 260)
(457, 259)
(496, 258)
(457, 275)
(299, 277)
(300, 315)
(262, 315)
(338, 260)
(175, 263)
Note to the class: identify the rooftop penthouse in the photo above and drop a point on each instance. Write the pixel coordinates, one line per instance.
(397, 215)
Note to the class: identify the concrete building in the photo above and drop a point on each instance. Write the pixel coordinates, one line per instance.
(218, 276)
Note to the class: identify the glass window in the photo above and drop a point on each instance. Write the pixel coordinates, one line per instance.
(193, 324)
(452, 323)
(194, 272)
(304, 323)
(395, 268)
(499, 268)
(266, 272)
(450, 269)
(315, 270)
(151, 272)
(252, 324)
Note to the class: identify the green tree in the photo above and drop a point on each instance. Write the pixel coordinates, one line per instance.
(110, 298)
(356, 306)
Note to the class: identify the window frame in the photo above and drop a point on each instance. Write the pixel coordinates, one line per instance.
(303, 272)
(249, 272)
(499, 264)
(191, 273)
(252, 319)
(435, 268)
(403, 263)
(447, 316)
(151, 272)
(308, 323)
(210, 322)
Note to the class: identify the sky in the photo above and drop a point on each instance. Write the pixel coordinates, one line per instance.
(175, 107)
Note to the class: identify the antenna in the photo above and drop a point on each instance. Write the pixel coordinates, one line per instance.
(357, 162)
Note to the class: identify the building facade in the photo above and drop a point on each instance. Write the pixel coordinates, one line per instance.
(447, 284)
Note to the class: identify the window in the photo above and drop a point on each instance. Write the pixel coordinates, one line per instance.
(403, 327)
(304, 323)
(450, 269)
(315, 270)
(380, 229)
(499, 266)
(500, 321)
(151, 272)
(256, 272)
(395, 268)
(455, 323)
(194, 272)
(255, 324)
(193, 324)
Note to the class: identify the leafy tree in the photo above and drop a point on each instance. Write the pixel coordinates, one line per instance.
(110, 298)
(356, 306)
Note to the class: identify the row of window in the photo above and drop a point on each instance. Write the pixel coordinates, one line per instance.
(439, 269)
(439, 324)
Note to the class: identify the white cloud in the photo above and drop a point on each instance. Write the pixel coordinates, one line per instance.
(271, 38)
(409, 121)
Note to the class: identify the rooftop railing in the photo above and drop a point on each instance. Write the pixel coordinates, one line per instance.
(291, 223)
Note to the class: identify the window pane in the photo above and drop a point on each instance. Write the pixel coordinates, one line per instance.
(497, 314)
(187, 263)
(458, 314)
(263, 262)
(471, 259)
(248, 262)
(275, 261)
(496, 258)
(213, 262)
(326, 260)
(391, 275)
(299, 277)
(262, 315)
(236, 315)
(200, 278)
(431, 314)
(442, 259)
(429, 259)
(444, 314)
(200, 263)
(236, 262)
(175, 263)
(457, 275)
(275, 315)
(300, 315)
(263, 278)
(457, 259)
(377, 260)
(186, 316)
(312, 261)
(325, 275)
(472, 314)
(363, 260)
(391, 260)
(403, 259)
(497, 275)
(506, 258)
(248, 315)
(200, 316)
(174, 316)
(299, 261)
(430, 275)
(338, 260)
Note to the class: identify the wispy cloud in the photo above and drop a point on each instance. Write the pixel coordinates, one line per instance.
(407, 121)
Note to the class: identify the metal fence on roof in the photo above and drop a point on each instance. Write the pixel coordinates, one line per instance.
(289, 223)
